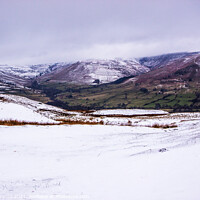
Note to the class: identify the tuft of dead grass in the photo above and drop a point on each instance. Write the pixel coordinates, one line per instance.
(2, 99)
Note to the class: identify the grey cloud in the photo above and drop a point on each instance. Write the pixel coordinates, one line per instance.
(34, 31)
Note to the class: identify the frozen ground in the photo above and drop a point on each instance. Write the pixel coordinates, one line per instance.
(100, 162)
(126, 161)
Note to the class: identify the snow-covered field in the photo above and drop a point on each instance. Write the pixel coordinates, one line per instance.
(99, 162)
(129, 112)
(102, 162)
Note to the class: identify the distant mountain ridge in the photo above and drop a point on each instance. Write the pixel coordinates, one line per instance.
(89, 72)
(159, 61)
(184, 68)
(30, 71)
(20, 76)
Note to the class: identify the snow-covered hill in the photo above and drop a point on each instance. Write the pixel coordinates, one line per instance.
(30, 71)
(95, 71)
(13, 76)
(183, 70)
(165, 59)
(10, 79)
(19, 108)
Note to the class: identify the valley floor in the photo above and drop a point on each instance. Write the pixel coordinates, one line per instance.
(100, 162)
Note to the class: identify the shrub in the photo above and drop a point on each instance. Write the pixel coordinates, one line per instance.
(144, 90)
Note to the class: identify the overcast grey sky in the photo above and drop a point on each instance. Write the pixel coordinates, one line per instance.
(43, 31)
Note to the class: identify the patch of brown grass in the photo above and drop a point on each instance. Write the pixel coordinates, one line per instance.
(22, 123)
(156, 125)
(81, 122)
(125, 116)
(2, 99)
(61, 122)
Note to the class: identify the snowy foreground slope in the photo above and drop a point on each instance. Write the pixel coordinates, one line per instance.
(14, 107)
(102, 162)
(99, 162)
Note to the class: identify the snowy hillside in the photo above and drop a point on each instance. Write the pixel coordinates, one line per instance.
(163, 60)
(24, 71)
(22, 109)
(30, 71)
(95, 71)
(8, 79)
